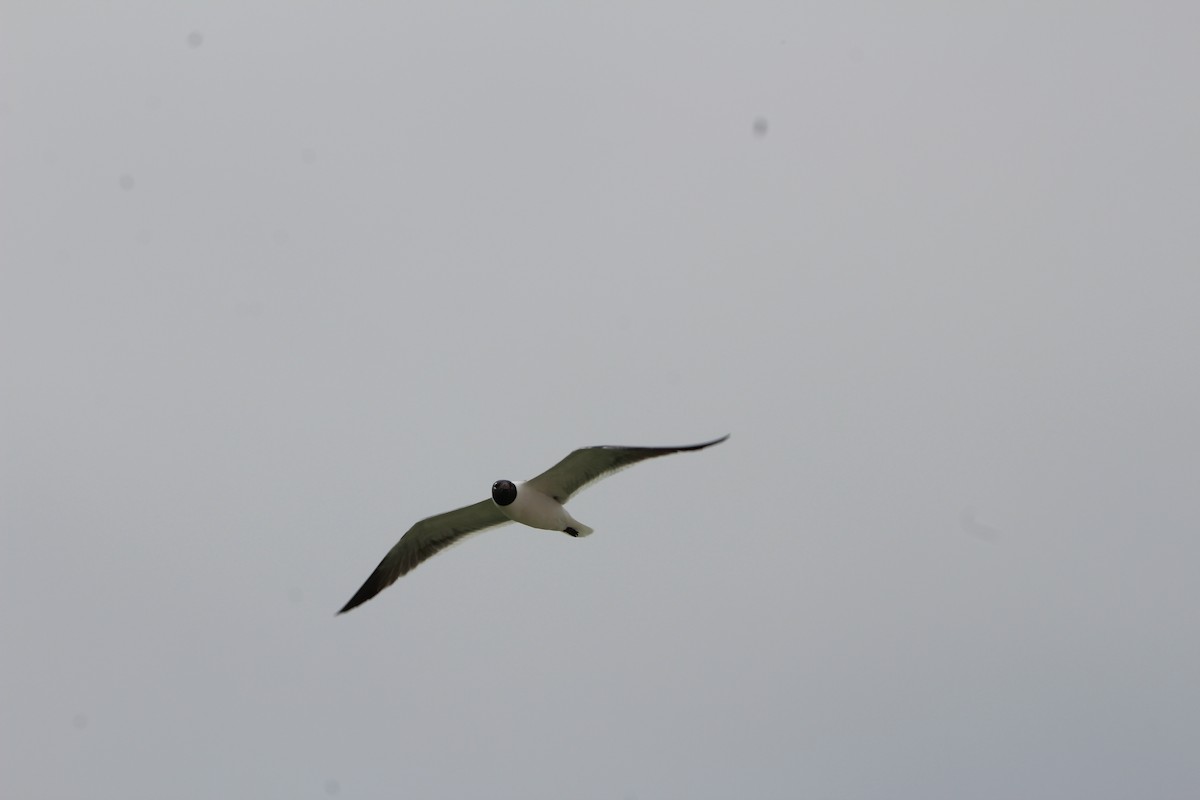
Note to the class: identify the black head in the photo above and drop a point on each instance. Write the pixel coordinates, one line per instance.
(504, 492)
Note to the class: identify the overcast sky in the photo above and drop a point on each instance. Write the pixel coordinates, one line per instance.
(278, 279)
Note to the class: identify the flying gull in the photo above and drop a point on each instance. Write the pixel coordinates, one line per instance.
(537, 503)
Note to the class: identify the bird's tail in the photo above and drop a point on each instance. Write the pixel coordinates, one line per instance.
(578, 530)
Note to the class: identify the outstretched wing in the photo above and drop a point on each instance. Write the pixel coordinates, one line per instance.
(592, 463)
(427, 537)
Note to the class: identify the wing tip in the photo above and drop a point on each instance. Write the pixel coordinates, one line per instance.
(354, 603)
(703, 445)
(365, 593)
(666, 448)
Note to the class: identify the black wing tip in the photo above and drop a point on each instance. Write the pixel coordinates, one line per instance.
(685, 448)
(354, 603)
(364, 593)
(693, 447)
(708, 444)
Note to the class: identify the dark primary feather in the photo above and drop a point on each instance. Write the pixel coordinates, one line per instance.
(591, 463)
(426, 538)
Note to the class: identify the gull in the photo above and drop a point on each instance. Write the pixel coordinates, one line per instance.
(537, 503)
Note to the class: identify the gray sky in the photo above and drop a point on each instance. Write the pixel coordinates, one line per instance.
(279, 279)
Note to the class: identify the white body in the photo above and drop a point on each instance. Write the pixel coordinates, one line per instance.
(538, 510)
